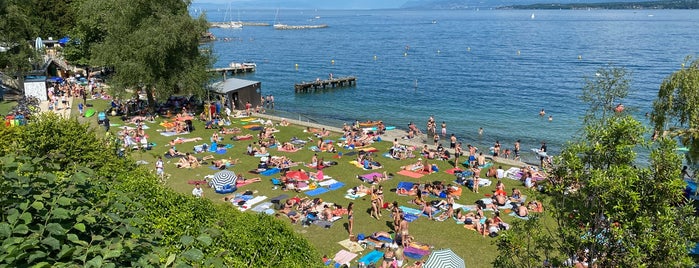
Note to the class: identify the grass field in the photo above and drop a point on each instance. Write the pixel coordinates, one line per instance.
(476, 250)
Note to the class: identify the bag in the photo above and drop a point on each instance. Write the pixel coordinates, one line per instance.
(480, 203)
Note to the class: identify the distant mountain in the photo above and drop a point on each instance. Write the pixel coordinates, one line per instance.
(676, 4)
(299, 4)
(487, 4)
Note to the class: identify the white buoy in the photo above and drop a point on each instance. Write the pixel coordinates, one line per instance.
(374, 57)
(468, 49)
(332, 62)
(296, 66)
(518, 53)
(579, 57)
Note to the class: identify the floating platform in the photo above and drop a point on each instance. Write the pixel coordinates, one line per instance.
(305, 87)
(298, 27)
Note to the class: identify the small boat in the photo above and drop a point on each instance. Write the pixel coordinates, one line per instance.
(369, 123)
(434, 21)
(533, 16)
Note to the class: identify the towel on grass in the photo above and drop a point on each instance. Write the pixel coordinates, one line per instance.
(415, 253)
(327, 182)
(371, 257)
(411, 174)
(270, 171)
(370, 177)
(351, 245)
(410, 217)
(351, 196)
(317, 191)
(262, 207)
(453, 171)
(513, 214)
(336, 186)
(344, 257)
(248, 204)
(408, 210)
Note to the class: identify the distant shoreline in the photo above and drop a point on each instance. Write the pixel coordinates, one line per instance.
(678, 4)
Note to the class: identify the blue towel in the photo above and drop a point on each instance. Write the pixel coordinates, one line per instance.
(384, 239)
(372, 257)
(317, 191)
(408, 210)
(228, 146)
(405, 185)
(270, 172)
(410, 217)
(336, 185)
(221, 151)
(214, 168)
(513, 214)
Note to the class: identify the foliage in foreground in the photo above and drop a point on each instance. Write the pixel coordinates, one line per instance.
(609, 211)
(100, 210)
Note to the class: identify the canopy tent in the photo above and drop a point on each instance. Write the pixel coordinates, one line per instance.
(223, 178)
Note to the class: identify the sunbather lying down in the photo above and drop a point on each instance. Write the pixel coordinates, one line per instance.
(183, 140)
(234, 130)
(242, 137)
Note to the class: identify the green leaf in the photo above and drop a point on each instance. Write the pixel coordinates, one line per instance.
(186, 240)
(80, 227)
(112, 253)
(36, 255)
(12, 215)
(5, 230)
(51, 242)
(24, 205)
(55, 228)
(97, 238)
(205, 239)
(65, 252)
(170, 259)
(65, 201)
(26, 217)
(41, 264)
(61, 213)
(38, 205)
(21, 229)
(95, 262)
(193, 254)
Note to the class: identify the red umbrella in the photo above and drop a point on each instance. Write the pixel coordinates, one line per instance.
(297, 175)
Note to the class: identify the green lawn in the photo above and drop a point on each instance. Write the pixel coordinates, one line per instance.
(475, 249)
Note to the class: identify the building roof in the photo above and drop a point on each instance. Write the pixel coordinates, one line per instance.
(231, 84)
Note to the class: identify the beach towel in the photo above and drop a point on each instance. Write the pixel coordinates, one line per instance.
(270, 171)
(370, 177)
(372, 257)
(261, 155)
(415, 253)
(281, 149)
(221, 151)
(323, 223)
(249, 126)
(248, 204)
(317, 191)
(262, 207)
(351, 196)
(356, 164)
(513, 214)
(408, 210)
(202, 182)
(314, 148)
(410, 217)
(411, 174)
(168, 133)
(335, 186)
(239, 183)
(351, 245)
(327, 182)
(344, 257)
(453, 171)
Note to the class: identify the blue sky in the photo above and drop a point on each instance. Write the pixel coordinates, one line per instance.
(306, 4)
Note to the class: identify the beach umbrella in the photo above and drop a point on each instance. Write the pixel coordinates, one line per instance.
(64, 40)
(444, 258)
(297, 175)
(223, 178)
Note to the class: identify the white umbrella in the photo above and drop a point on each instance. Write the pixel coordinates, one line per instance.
(444, 258)
(223, 178)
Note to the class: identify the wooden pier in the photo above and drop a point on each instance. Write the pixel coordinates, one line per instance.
(305, 87)
(234, 69)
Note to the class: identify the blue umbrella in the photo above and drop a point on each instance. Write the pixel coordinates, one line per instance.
(55, 79)
(64, 40)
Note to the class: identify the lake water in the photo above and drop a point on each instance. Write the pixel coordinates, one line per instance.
(491, 69)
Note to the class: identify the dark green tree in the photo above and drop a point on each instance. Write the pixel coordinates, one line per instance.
(17, 32)
(608, 208)
(151, 45)
(676, 110)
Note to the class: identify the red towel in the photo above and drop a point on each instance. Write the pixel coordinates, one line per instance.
(412, 174)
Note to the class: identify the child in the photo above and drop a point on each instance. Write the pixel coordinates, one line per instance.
(80, 109)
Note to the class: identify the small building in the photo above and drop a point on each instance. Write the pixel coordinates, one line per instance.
(238, 92)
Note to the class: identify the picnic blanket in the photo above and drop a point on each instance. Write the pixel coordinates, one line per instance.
(412, 174)
(372, 257)
(344, 257)
(351, 245)
(351, 196)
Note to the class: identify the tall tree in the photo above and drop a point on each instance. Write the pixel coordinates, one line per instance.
(676, 110)
(606, 208)
(16, 33)
(151, 45)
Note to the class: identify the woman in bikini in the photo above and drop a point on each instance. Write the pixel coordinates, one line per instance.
(375, 204)
(350, 217)
(379, 194)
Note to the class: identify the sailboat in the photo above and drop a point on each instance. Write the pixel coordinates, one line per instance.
(276, 24)
(228, 23)
(533, 16)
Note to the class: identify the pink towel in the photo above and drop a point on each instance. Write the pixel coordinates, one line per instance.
(344, 257)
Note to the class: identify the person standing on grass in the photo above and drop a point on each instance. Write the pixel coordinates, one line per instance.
(350, 217)
(457, 153)
(198, 191)
(159, 167)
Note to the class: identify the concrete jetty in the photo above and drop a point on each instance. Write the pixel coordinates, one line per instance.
(305, 87)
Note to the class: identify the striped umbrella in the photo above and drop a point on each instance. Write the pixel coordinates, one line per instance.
(222, 178)
(444, 258)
